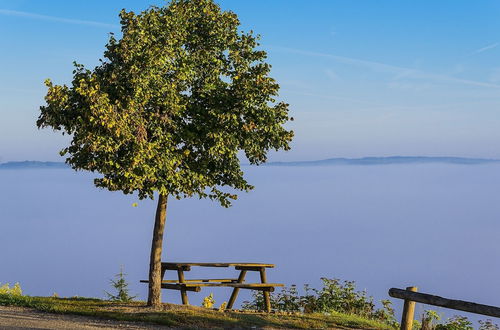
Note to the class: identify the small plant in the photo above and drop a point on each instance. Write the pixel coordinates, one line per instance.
(416, 325)
(223, 306)
(429, 319)
(14, 291)
(257, 302)
(488, 325)
(121, 287)
(387, 314)
(208, 302)
(288, 300)
(456, 323)
(343, 298)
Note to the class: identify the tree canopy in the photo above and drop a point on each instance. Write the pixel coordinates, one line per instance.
(172, 104)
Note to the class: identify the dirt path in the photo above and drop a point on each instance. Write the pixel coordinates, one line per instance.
(16, 318)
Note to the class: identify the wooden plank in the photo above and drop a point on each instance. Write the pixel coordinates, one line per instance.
(176, 265)
(167, 266)
(460, 305)
(180, 287)
(236, 285)
(249, 268)
(192, 283)
(219, 280)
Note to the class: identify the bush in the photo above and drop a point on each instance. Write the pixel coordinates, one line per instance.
(488, 325)
(334, 296)
(430, 320)
(343, 298)
(456, 323)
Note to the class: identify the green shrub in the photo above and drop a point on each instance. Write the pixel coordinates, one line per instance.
(343, 298)
(456, 323)
(429, 320)
(334, 296)
(488, 325)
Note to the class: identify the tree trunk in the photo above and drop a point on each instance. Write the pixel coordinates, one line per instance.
(154, 294)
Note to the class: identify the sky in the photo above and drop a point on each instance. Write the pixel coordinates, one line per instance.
(362, 77)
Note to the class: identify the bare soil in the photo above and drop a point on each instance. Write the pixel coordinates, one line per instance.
(14, 318)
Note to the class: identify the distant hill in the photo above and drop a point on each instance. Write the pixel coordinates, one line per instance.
(325, 162)
(387, 161)
(27, 164)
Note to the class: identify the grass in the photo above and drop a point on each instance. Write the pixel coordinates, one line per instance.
(187, 316)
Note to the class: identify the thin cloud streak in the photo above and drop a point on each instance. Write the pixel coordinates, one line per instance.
(398, 71)
(339, 98)
(480, 50)
(15, 13)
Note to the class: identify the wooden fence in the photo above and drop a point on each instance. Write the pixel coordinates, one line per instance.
(411, 296)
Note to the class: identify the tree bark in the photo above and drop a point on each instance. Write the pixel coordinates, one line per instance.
(154, 294)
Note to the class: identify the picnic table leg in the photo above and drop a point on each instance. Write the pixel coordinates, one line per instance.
(232, 299)
(184, 296)
(267, 299)
(163, 270)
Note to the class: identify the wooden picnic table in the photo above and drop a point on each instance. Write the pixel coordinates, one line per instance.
(184, 285)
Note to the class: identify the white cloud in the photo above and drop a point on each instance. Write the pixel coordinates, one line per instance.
(409, 86)
(338, 98)
(398, 71)
(485, 48)
(7, 12)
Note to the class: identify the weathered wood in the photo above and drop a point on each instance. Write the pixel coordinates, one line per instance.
(184, 285)
(189, 284)
(267, 299)
(176, 265)
(166, 266)
(234, 294)
(408, 311)
(180, 287)
(218, 280)
(163, 270)
(252, 286)
(184, 297)
(249, 268)
(460, 305)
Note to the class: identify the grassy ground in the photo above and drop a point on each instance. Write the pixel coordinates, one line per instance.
(186, 316)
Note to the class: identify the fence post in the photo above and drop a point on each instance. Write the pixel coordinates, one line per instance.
(408, 311)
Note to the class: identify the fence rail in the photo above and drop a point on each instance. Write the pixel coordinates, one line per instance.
(410, 296)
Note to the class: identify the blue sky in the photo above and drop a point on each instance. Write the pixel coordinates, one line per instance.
(363, 78)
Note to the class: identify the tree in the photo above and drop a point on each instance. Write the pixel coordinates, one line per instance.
(120, 284)
(169, 109)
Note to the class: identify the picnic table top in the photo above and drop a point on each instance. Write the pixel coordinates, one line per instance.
(217, 264)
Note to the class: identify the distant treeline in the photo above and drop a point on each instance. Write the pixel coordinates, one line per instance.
(388, 161)
(32, 164)
(325, 162)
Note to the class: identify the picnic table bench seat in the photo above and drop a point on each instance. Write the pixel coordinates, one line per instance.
(195, 285)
